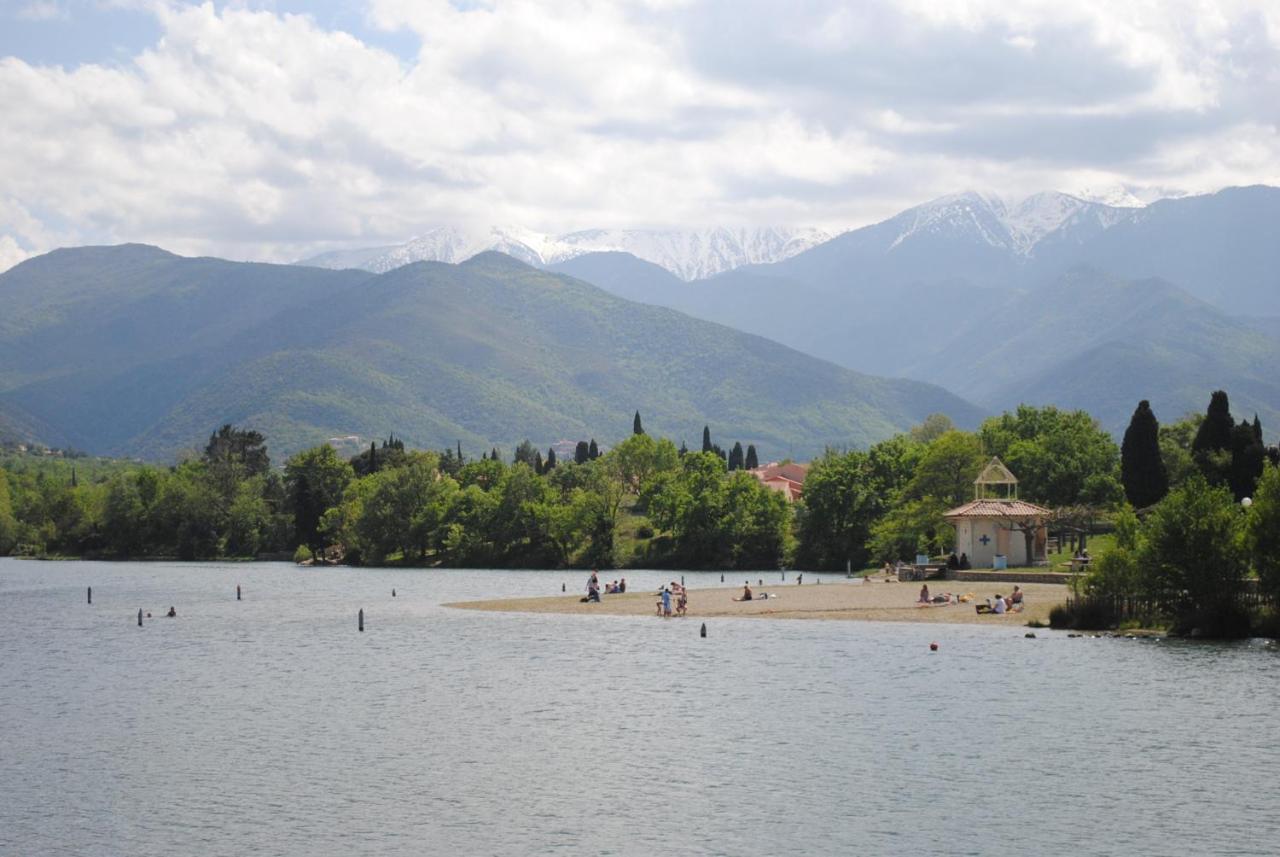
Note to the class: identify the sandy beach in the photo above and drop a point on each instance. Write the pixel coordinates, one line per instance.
(836, 599)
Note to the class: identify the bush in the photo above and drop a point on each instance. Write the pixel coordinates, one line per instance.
(1061, 617)
(644, 531)
(302, 554)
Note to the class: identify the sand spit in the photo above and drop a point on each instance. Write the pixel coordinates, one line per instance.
(878, 601)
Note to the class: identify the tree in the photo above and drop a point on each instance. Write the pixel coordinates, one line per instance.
(636, 428)
(8, 523)
(593, 450)
(933, 427)
(752, 461)
(244, 449)
(1059, 457)
(1262, 531)
(1141, 467)
(706, 439)
(1212, 446)
(840, 504)
(639, 458)
(315, 480)
(948, 468)
(1247, 457)
(525, 453)
(736, 456)
(551, 459)
(1175, 448)
(1193, 557)
(581, 453)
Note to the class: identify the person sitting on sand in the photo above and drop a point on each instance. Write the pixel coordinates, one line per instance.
(622, 586)
(964, 561)
(746, 592)
(924, 594)
(998, 606)
(1016, 597)
(953, 561)
(172, 614)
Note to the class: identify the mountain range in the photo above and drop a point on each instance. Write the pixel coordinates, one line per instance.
(131, 350)
(689, 254)
(1010, 303)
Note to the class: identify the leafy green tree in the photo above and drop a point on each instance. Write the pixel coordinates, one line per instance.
(636, 428)
(638, 458)
(1175, 448)
(1193, 556)
(840, 505)
(249, 520)
(933, 427)
(315, 480)
(400, 511)
(947, 469)
(910, 527)
(243, 450)
(753, 461)
(1262, 531)
(581, 453)
(1060, 457)
(1141, 467)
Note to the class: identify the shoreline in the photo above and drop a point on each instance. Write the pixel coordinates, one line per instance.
(843, 601)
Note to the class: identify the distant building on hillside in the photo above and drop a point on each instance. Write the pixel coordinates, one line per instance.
(787, 477)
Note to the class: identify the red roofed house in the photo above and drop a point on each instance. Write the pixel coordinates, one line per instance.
(999, 526)
(787, 478)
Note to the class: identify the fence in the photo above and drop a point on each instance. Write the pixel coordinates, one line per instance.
(1121, 608)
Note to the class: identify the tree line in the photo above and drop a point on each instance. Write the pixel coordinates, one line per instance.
(643, 502)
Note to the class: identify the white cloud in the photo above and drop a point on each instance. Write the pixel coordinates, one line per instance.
(41, 10)
(256, 134)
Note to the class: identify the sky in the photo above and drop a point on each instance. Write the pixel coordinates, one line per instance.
(274, 129)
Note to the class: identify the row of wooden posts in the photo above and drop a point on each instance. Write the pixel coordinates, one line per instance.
(360, 614)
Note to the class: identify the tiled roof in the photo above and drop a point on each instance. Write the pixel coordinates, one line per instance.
(998, 509)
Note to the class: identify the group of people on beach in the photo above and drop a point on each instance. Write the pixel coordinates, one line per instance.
(1011, 603)
(617, 587)
(664, 599)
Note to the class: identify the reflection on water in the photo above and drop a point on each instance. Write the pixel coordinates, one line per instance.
(272, 726)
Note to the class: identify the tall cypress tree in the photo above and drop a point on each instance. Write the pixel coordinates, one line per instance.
(752, 461)
(636, 428)
(581, 453)
(1141, 468)
(537, 463)
(1247, 457)
(735, 456)
(706, 438)
(593, 450)
(551, 459)
(684, 450)
(1215, 432)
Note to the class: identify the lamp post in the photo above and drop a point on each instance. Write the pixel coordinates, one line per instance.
(1246, 503)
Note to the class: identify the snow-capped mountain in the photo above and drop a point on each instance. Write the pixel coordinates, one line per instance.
(689, 254)
(1018, 228)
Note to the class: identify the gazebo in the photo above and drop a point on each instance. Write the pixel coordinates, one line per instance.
(997, 529)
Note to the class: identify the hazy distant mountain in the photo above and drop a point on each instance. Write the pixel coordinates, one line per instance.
(689, 254)
(931, 291)
(133, 350)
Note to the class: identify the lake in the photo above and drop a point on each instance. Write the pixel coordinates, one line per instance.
(271, 726)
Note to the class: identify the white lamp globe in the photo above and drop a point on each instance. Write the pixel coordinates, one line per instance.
(1247, 502)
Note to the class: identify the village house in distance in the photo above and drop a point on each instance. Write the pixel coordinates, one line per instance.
(787, 477)
(993, 528)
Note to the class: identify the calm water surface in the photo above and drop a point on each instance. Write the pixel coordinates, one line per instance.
(270, 726)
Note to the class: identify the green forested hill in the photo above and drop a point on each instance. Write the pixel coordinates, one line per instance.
(131, 350)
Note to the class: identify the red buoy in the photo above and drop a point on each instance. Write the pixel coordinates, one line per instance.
(933, 647)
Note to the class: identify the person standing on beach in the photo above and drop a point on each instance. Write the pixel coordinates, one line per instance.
(666, 603)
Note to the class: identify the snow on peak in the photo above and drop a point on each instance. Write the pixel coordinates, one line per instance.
(689, 254)
(1017, 228)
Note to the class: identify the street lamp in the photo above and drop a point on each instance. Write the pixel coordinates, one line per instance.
(1246, 502)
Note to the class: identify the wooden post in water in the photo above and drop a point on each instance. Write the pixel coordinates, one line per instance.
(722, 578)
(139, 617)
(393, 592)
(562, 589)
(237, 592)
(703, 633)
(360, 620)
(682, 580)
(90, 594)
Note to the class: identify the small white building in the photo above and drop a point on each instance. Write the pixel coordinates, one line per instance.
(996, 523)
